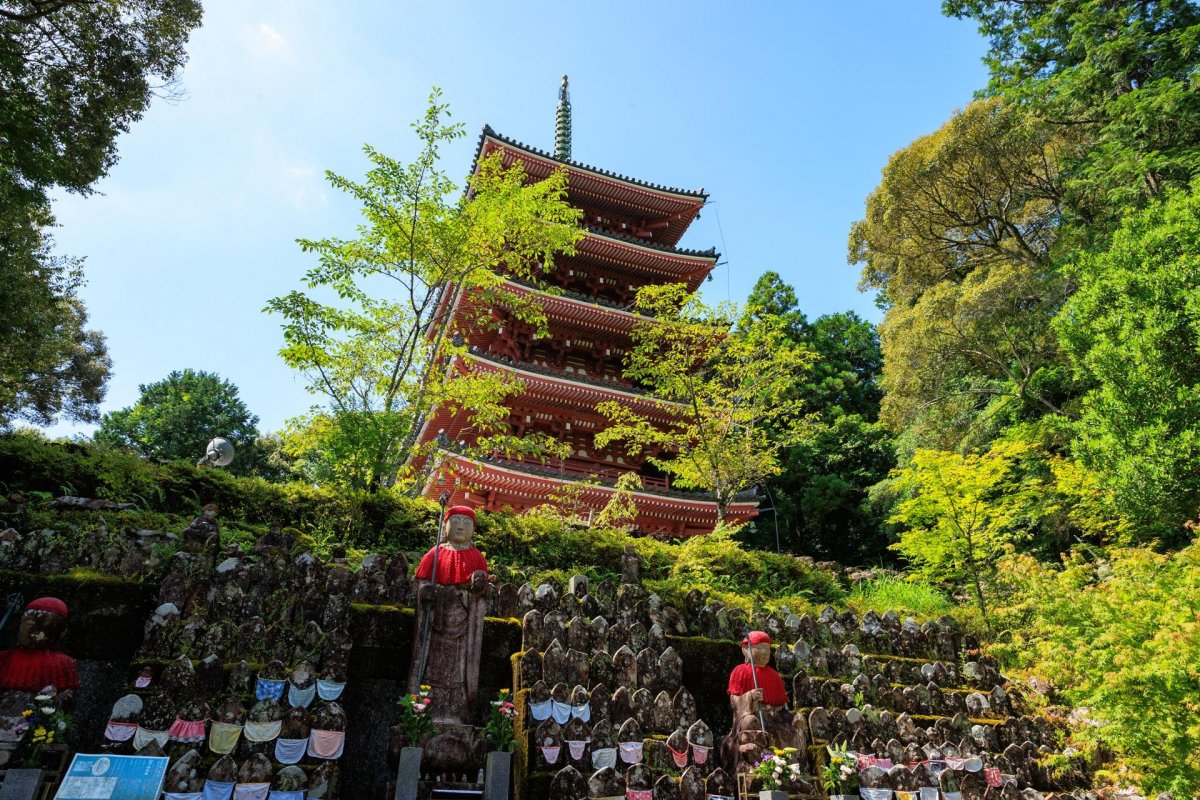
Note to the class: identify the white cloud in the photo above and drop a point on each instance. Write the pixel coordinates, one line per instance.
(268, 42)
(303, 185)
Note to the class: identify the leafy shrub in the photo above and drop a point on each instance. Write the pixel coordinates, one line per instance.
(888, 592)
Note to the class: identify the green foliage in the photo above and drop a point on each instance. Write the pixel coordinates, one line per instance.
(1118, 633)
(376, 350)
(383, 520)
(75, 75)
(1133, 331)
(50, 364)
(957, 239)
(173, 419)
(888, 592)
(713, 564)
(821, 492)
(960, 514)
(1122, 73)
(726, 405)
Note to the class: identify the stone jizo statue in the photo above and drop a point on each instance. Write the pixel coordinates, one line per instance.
(449, 619)
(758, 698)
(36, 662)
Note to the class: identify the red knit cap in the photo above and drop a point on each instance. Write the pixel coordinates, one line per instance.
(756, 637)
(466, 511)
(51, 604)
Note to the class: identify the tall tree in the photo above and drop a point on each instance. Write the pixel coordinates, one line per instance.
(1120, 73)
(1133, 331)
(729, 394)
(958, 239)
(383, 353)
(50, 363)
(820, 497)
(74, 74)
(173, 419)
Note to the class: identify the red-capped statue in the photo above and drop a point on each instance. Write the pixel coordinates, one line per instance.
(448, 638)
(757, 696)
(35, 663)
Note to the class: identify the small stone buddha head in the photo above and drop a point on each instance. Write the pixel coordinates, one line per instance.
(756, 645)
(460, 527)
(43, 624)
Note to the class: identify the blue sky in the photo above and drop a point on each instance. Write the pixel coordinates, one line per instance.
(784, 112)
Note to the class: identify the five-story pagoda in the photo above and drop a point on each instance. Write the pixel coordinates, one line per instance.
(632, 230)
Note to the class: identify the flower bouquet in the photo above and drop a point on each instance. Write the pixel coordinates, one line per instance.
(778, 772)
(499, 730)
(840, 775)
(414, 716)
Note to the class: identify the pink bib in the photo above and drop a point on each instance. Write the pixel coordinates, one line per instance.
(187, 730)
(120, 731)
(326, 744)
(631, 752)
(991, 776)
(680, 758)
(550, 752)
(576, 749)
(700, 753)
(639, 794)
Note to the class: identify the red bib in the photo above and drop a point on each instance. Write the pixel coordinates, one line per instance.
(34, 670)
(454, 567)
(741, 681)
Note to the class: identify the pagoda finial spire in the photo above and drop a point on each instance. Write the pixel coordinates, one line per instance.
(562, 124)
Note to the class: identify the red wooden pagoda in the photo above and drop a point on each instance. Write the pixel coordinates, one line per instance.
(632, 231)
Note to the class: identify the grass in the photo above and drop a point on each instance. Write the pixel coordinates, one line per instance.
(888, 592)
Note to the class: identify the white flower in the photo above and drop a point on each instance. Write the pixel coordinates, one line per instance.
(41, 698)
(47, 710)
(62, 724)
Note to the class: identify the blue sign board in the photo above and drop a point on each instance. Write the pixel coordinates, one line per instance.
(104, 777)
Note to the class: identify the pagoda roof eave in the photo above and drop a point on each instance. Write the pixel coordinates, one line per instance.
(646, 499)
(489, 132)
(574, 392)
(572, 309)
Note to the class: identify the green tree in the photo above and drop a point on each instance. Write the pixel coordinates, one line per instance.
(1116, 632)
(1133, 331)
(820, 496)
(176, 417)
(380, 347)
(959, 515)
(74, 74)
(959, 240)
(730, 395)
(1121, 73)
(50, 363)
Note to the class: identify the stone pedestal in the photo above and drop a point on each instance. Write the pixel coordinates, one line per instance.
(20, 784)
(497, 778)
(408, 774)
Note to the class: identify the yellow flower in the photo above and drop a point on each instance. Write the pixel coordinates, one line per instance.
(504, 691)
(27, 712)
(425, 687)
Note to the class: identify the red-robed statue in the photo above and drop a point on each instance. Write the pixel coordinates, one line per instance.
(35, 663)
(452, 607)
(758, 697)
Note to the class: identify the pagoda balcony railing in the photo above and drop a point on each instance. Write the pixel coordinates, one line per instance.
(606, 477)
(552, 372)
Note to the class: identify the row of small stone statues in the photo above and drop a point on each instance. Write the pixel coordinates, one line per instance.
(187, 779)
(982, 672)
(923, 699)
(175, 714)
(648, 669)
(589, 748)
(867, 725)
(640, 782)
(660, 714)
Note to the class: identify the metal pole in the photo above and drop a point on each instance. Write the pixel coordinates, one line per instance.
(762, 723)
(774, 516)
(437, 545)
